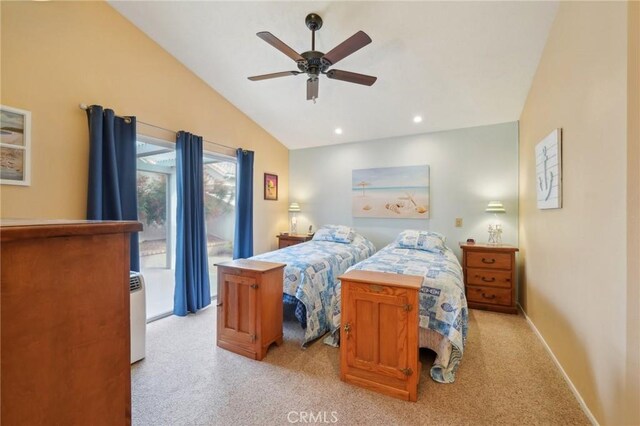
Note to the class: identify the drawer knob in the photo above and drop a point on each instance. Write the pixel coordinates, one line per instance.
(489, 261)
(493, 296)
(488, 280)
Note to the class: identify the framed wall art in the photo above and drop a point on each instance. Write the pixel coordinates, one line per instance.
(270, 186)
(549, 171)
(391, 192)
(15, 146)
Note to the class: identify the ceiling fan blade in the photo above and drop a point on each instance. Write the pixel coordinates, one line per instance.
(347, 47)
(312, 89)
(351, 77)
(280, 45)
(273, 75)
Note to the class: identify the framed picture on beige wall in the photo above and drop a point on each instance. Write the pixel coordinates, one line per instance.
(270, 186)
(15, 146)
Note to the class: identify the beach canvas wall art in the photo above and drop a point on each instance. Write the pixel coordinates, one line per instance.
(15, 140)
(391, 192)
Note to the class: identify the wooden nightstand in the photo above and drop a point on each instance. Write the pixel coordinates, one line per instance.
(249, 306)
(490, 276)
(292, 239)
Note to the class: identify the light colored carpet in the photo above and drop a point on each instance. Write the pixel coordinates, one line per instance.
(506, 377)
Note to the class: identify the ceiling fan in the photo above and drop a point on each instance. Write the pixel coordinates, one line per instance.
(313, 63)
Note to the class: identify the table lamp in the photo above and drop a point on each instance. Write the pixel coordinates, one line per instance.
(495, 229)
(294, 208)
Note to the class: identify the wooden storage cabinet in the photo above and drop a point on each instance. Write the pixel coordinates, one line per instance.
(249, 306)
(292, 240)
(489, 276)
(65, 322)
(379, 332)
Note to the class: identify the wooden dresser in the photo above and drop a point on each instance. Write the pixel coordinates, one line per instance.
(65, 322)
(379, 332)
(249, 306)
(292, 239)
(490, 276)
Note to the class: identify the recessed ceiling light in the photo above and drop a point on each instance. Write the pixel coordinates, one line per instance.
(338, 131)
(417, 119)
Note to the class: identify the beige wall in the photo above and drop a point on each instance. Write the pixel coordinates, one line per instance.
(57, 55)
(633, 219)
(574, 259)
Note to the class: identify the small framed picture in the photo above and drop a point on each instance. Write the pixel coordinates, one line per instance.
(15, 145)
(270, 186)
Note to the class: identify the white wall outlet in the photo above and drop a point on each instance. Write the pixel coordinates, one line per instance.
(458, 222)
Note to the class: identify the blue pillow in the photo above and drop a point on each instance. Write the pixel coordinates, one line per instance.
(335, 233)
(421, 240)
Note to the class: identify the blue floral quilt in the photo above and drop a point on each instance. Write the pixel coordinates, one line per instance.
(443, 306)
(311, 277)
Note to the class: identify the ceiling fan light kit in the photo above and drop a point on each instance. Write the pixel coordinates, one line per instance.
(314, 63)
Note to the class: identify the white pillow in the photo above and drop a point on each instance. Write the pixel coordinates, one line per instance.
(335, 233)
(421, 240)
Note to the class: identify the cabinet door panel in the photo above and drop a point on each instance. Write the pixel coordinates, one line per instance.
(377, 340)
(230, 298)
(364, 330)
(246, 306)
(238, 322)
(393, 333)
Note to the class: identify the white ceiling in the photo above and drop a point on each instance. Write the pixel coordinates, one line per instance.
(457, 64)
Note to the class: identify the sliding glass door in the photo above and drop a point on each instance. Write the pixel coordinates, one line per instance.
(153, 206)
(219, 204)
(157, 203)
(156, 211)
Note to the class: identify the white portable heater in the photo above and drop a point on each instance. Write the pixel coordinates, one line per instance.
(138, 307)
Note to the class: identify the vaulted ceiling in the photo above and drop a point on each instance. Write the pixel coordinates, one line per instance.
(455, 64)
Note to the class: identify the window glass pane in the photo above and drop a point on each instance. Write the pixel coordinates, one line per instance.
(219, 206)
(156, 211)
(152, 212)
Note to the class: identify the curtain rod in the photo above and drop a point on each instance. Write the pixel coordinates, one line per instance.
(86, 107)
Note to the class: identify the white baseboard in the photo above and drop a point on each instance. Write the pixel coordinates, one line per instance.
(584, 407)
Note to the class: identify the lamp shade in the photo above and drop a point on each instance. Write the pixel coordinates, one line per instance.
(495, 207)
(294, 207)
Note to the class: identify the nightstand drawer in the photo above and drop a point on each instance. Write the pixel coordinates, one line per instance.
(286, 243)
(488, 260)
(286, 240)
(490, 278)
(489, 295)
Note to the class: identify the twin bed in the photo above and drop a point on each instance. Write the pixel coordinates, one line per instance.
(312, 272)
(312, 286)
